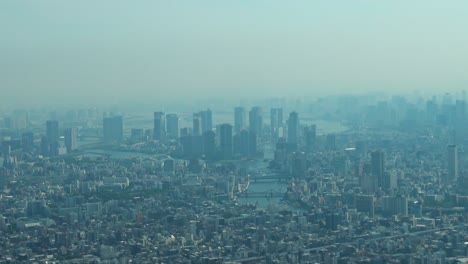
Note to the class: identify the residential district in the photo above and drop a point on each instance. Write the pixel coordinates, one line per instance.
(86, 186)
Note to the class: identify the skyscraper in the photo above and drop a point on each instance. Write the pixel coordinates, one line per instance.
(378, 167)
(226, 141)
(276, 121)
(452, 154)
(52, 133)
(159, 126)
(70, 139)
(293, 128)
(239, 119)
(310, 134)
(256, 120)
(113, 129)
(209, 145)
(197, 127)
(172, 126)
(27, 141)
(206, 120)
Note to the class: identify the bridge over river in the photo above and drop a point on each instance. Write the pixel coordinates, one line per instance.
(265, 194)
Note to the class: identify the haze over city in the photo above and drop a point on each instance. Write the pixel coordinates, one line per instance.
(234, 132)
(117, 51)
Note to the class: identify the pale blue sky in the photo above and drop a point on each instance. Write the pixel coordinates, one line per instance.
(118, 50)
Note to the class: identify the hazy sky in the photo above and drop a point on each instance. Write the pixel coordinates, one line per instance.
(146, 50)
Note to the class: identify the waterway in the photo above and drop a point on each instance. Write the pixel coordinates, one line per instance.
(323, 127)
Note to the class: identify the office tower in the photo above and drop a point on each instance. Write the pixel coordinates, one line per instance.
(396, 205)
(196, 129)
(186, 143)
(70, 139)
(52, 133)
(378, 167)
(276, 121)
(367, 180)
(365, 203)
(197, 146)
(252, 143)
(209, 145)
(226, 141)
(293, 127)
(452, 154)
(460, 126)
(242, 143)
(310, 135)
(45, 147)
(27, 141)
(256, 120)
(239, 119)
(172, 124)
(113, 129)
(331, 142)
(206, 120)
(159, 126)
(185, 131)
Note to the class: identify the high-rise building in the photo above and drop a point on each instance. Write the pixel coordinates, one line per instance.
(256, 120)
(52, 133)
(293, 128)
(27, 141)
(113, 129)
(310, 135)
(245, 143)
(452, 154)
(71, 139)
(209, 145)
(239, 119)
(226, 141)
(172, 124)
(378, 167)
(395, 205)
(276, 121)
(45, 147)
(159, 126)
(197, 129)
(206, 120)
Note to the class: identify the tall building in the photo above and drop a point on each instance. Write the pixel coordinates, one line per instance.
(52, 133)
(27, 141)
(239, 119)
(245, 143)
(293, 128)
(71, 139)
(206, 120)
(276, 120)
(209, 145)
(226, 141)
(378, 167)
(159, 126)
(395, 205)
(172, 124)
(256, 120)
(452, 154)
(113, 129)
(197, 126)
(310, 135)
